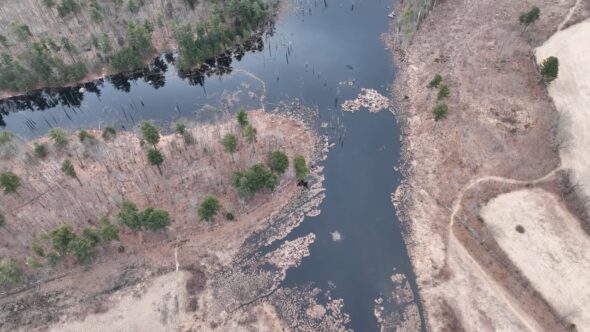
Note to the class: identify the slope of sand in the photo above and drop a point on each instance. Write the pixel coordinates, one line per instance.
(571, 95)
(552, 252)
(155, 307)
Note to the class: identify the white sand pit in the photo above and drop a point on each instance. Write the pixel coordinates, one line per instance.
(550, 248)
(157, 306)
(571, 95)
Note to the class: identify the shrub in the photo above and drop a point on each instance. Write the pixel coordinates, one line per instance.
(155, 158)
(40, 150)
(81, 249)
(61, 237)
(250, 134)
(300, 167)
(230, 143)
(242, 117)
(9, 182)
(530, 17)
(278, 161)
(37, 249)
(229, 216)
(435, 81)
(85, 136)
(53, 258)
(66, 7)
(68, 169)
(253, 180)
(6, 137)
(209, 208)
(150, 133)
(126, 59)
(91, 235)
(108, 231)
(155, 219)
(10, 273)
(180, 128)
(2, 219)
(59, 137)
(443, 92)
(440, 111)
(109, 133)
(129, 215)
(550, 69)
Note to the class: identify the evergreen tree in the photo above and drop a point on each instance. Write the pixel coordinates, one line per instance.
(300, 167)
(9, 182)
(209, 208)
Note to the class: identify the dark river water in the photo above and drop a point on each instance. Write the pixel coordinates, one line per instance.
(320, 53)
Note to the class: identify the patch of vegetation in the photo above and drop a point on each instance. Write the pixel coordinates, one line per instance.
(59, 137)
(229, 216)
(22, 31)
(150, 133)
(9, 182)
(254, 179)
(530, 17)
(38, 249)
(67, 7)
(10, 273)
(208, 208)
(40, 150)
(85, 137)
(242, 118)
(6, 137)
(155, 158)
(129, 215)
(300, 166)
(237, 18)
(443, 92)
(95, 11)
(435, 81)
(68, 169)
(230, 143)
(152, 219)
(2, 219)
(278, 161)
(250, 134)
(108, 231)
(140, 45)
(180, 128)
(91, 235)
(440, 111)
(550, 69)
(108, 133)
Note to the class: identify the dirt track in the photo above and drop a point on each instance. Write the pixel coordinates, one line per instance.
(498, 136)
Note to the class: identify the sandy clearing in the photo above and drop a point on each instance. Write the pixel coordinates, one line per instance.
(157, 307)
(552, 252)
(571, 94)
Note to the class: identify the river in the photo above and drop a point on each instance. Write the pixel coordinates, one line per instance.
(320, 53)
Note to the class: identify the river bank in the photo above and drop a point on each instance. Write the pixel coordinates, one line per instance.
(500, 123)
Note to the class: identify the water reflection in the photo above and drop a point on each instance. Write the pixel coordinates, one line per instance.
(154, 74)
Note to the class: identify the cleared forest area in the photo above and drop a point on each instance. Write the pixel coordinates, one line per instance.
(106, 173)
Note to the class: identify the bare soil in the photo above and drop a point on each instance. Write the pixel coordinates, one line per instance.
(501, 126)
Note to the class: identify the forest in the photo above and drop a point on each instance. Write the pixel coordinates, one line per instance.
(86, 39)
